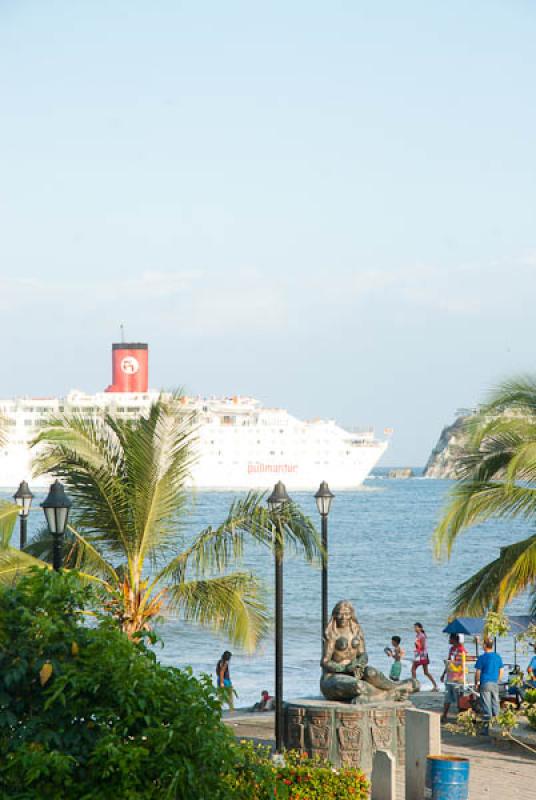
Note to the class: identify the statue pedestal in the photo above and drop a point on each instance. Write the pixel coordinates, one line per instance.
(345, 734)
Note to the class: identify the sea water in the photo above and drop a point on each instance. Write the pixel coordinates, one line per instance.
(380, 558)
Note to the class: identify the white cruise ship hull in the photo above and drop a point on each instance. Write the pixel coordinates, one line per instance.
(239, 445)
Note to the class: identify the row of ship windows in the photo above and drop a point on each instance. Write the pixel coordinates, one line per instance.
(74, 410)
(41, 422)
(218, 452)
(13, 422)
(227, 421)
(304, 439)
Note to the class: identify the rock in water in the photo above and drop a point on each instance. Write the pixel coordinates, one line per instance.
(401, 473)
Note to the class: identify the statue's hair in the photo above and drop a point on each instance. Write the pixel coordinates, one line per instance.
(355, 627)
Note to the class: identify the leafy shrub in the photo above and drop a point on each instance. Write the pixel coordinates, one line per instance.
(531, 716)
(292, 777)
(86, 713)
(530, 706)
(530, 697)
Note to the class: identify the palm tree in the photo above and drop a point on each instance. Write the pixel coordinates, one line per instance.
(497, 479)
(127, 479)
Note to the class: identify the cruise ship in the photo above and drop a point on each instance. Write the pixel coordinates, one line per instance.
(238, 443)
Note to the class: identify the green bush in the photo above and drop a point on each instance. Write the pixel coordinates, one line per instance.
(292, 777)
(86, 713)
(530, 704)
(531, 716)
(530, 697)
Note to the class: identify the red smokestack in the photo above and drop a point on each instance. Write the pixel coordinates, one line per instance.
(130, 367)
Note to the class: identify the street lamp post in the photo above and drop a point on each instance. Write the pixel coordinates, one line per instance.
(56, 507)
(23, 498)
(324, 498)
(276, 502)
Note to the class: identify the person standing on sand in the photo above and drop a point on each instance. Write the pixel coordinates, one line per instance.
(420, 657)
(396, 652)
(453, 674)
(223, 677)
(489, 671)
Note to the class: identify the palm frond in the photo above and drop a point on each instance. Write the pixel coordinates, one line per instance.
(496, 467)
(127, 476)
(490, 445)
(497, 583)
(519, 561)
(41, 545)
(533, 601)
(14, 563)
(516, 394)
(474, 502)
(214, 549)
(87, 558)
(231, 604)
(9, 513)
(86, 454)
(298, 533)
(158, 459)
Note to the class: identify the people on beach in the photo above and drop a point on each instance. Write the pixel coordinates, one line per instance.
(266, 703)
(396, 652)
(454, 674)
(420, 656)
(223, 677)
(489, 671)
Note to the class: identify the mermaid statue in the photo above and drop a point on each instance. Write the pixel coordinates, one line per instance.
(346, 675)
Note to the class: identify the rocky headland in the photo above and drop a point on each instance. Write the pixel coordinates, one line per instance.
(442, 461)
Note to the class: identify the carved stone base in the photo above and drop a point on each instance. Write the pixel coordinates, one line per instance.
(346, 735)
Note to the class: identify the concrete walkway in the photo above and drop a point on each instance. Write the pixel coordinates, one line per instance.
(500, 770)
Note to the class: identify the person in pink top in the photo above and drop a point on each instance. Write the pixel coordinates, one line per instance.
(420, 657)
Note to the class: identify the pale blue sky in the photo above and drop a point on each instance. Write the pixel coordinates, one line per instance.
(330, 206)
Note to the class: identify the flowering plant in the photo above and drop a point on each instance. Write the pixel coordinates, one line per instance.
(294, 776)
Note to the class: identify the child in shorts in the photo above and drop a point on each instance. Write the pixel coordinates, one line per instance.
(396, 652)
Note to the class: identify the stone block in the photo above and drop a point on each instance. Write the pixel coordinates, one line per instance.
(344, 733)
(383, 784)
(423, 738)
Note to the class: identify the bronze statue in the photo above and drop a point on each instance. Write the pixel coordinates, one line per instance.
(346, 675)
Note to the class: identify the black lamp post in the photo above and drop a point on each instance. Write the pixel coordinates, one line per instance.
(56, 507)
(23, 498)
(276, 502)
(324, 498)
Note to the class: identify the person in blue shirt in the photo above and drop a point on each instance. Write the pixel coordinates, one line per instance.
(489, 671)
(531, 671)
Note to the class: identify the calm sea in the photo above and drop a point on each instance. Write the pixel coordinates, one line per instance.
(380, 558)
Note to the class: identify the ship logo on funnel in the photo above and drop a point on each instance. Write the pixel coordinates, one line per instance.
(130, 365)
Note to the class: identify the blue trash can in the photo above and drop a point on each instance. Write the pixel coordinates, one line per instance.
(447, 778)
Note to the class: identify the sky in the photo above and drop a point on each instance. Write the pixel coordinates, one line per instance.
(328, 206)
